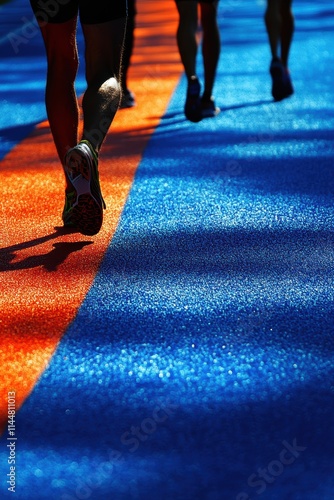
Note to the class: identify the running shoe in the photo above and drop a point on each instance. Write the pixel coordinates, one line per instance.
(86, 210)
(281, 81)
(70, 199)
(209, 108)
(192, 107)
(127, 100)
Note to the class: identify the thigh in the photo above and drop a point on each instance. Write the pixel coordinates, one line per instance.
(54, 11)
(132, 10)
(103, 48)
(102, 11)
(274, 4)
(209, 10)
(183, 3)
(187, 10)
(59, 36)
(286, 5)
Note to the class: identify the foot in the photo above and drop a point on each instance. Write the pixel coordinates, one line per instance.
(192, 107)
(128, 99)
(281, 81)
(85, 209)
(209, 108)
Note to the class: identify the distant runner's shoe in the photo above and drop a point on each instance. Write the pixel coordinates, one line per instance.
(128, 100)
(209, 108)
(192, 107)
(86, 210)
(281, 81)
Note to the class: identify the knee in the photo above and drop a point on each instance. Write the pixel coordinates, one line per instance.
(286, 10)
(272, 19)
(272, 12)
(62, 63)
(209, 18)
(187, 17)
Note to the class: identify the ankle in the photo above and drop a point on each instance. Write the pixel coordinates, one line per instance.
(92, 147)
(192, 79)
(207, 96)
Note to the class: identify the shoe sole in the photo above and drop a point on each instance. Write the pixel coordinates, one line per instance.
(87, 213)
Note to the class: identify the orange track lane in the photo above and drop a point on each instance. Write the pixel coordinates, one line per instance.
(46, 273)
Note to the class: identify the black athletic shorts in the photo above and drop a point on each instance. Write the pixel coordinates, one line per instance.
(91, 12)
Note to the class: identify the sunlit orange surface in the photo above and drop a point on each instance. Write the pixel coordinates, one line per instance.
(46, 272)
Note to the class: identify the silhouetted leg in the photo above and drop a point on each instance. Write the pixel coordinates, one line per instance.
(210, 45)
(128, 44)
(287, 30)
(104, 43)
(186, 36)
(60, 96)
(273, 23)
